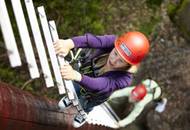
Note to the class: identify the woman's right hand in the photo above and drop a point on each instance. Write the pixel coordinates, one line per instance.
(62, 47)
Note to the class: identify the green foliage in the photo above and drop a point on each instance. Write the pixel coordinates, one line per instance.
(179, 19)
(75, 17)
(154, 3)
(183, 5)
(11, 76)
(171, 9)
(148, 27)
(175, 8)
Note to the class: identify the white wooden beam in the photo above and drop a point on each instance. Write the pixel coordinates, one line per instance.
(51, 50)
(25, 38)
(7, 31)
(68, 83)
(39, 43)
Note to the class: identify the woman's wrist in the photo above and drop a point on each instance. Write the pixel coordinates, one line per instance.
(78, 76)
(70, 43)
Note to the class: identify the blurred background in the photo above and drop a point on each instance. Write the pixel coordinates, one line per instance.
(165, 22)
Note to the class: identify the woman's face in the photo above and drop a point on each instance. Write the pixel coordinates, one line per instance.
(132, 99)
(116, 62)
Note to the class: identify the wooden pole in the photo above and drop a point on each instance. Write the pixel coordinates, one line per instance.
(20, 110)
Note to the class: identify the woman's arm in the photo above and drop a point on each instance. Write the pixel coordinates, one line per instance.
(109, 82)
(125, 92)
(106, 83)
(105, 42)
(138, 108)
(132, 116)
(92, 41)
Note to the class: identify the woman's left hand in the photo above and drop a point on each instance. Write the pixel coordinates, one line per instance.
(121, 124)
(69, 73)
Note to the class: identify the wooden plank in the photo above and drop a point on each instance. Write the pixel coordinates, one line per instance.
(7, 31)
(68, 83)
(52, 54)
(25, 38)
(39, 43)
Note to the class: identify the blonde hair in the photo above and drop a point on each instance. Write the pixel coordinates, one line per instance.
(133, 69)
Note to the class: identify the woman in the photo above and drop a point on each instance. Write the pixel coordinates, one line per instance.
(105, 70)
(141, 99)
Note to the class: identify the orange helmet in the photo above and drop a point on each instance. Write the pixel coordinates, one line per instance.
(132, 47)
(139, 92)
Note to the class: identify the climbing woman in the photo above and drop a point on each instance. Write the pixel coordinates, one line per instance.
(106, 69)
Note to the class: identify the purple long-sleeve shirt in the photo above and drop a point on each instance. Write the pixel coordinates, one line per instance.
(109, 81)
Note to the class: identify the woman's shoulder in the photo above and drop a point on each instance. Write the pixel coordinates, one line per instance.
(122, 76)
(121, 73)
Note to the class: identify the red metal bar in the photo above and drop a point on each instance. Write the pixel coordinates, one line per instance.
(20, 110)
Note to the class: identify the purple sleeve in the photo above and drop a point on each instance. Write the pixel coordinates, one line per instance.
(106, 83)
(92, 41)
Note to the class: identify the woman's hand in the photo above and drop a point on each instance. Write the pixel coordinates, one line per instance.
(121, 124)
(62, 47)
(69, 73)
